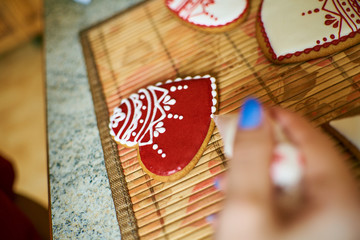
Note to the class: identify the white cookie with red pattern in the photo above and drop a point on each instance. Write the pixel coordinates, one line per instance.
(210, 15)
(300, 30)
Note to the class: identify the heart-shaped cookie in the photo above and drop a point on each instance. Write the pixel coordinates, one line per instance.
(300, 30)
(170, 124)
(210, 15)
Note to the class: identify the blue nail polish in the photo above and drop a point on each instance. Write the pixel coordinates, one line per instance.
(250, 114)
(217, 183)
(210, 218)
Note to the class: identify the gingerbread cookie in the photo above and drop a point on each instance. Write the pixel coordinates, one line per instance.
(170, 124)
(300, 30)
(210, 15)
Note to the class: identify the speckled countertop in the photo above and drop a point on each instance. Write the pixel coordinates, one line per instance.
(81, 203)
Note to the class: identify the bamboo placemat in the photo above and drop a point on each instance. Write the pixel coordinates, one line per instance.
(145, 45)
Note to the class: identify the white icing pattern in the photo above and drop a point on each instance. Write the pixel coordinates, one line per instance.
(208, 12)
(143, 119)
(297, 25)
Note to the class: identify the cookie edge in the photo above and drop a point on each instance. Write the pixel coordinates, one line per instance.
(212, 28)
(323, 51)
(183, 172)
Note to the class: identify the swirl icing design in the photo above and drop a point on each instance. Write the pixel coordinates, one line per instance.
(159, 118)
(302, 26)
(208, 12)
(141, 116)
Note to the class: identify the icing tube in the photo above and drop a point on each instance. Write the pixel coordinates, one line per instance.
(286, 169)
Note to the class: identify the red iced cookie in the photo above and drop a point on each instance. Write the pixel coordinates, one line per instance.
(170, 124)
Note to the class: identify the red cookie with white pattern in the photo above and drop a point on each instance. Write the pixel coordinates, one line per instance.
(170, 124)
(210, 15)
(300, 30)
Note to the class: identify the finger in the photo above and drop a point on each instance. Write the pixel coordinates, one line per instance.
(249, 177)
(245, 221)
(213, 220)
(324, 169)
(317, 148)
(220, 183)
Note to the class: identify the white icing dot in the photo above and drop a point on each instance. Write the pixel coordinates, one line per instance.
(160, 124)
(134, 134)
(213, 86)
(176, 116)
(168, 81)
(212, 80)
(163, 155)
(173, 89)
(213, 93)
(167, 108)
(179, 87)
(171, 102)
(143, 107)
(161, 130)
(160, 151)
(188, 78)
(156, 133)
(206, 76)
(213, 109)
(170, 115)
(177, 80)
(167, 98)
(186, 87)
(214, 101)
(181, 117)
(212, 115)
(155, 146)
(141, 120)
(158, 84)
(142, 96)
(197, 77)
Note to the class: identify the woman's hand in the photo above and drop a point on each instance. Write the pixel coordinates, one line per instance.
(329, 207)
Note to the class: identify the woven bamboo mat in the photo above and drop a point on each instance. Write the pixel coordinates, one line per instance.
(145, 45)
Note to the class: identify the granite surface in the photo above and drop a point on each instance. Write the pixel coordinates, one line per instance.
(81, 202)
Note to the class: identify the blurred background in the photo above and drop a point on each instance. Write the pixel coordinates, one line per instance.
(22, 97)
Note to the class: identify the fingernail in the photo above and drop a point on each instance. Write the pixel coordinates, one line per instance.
(217, 183)
(250, 114)
(210, 218)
